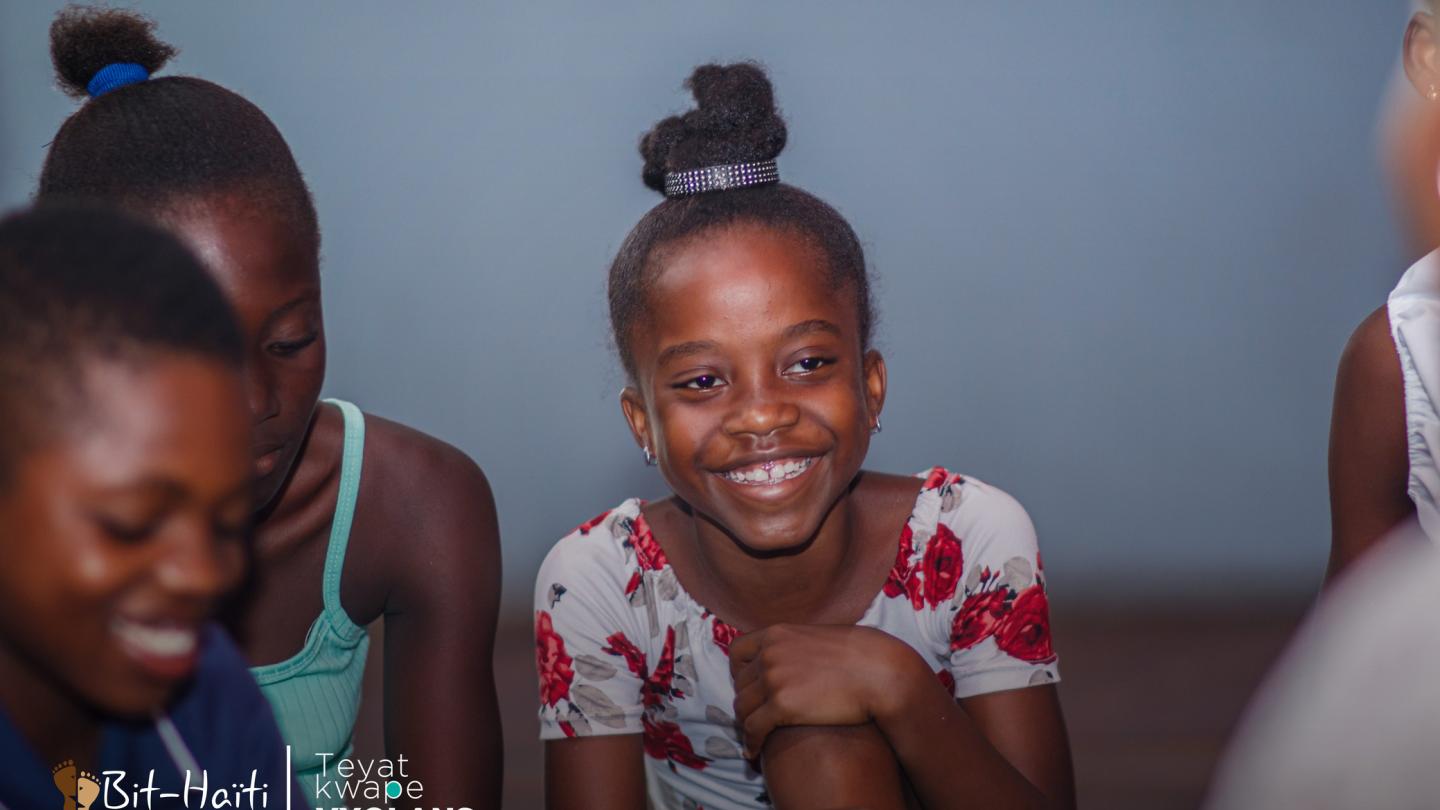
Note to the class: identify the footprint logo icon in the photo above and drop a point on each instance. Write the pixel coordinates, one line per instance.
(78, 787)
(87, 787)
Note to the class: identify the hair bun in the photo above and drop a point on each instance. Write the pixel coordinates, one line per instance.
(84, 39)
(735, 121)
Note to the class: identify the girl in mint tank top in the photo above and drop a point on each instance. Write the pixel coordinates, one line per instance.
(413, 539)
(123, 517)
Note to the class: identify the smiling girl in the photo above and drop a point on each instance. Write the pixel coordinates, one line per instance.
(358, 517)
(787, 628)
(124, 505)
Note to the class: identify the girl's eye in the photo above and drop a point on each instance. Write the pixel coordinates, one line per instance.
(810, 364)
(704, 382)
(129, 533)
(288, 348)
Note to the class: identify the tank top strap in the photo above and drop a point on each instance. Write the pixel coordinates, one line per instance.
(350, 461)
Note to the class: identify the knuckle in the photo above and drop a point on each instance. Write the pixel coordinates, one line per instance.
(770, 657)
(784, 700)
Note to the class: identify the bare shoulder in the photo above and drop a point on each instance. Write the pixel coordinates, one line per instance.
(1369, 459)
(432, 475)
(1370, 360)
(426, 510)
(1369, 411)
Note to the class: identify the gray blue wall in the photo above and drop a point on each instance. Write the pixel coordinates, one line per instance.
(1118, 244)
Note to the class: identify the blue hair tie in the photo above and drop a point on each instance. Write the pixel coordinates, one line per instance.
(115, 75)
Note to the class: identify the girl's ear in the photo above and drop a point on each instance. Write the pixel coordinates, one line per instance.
(633, 406)
(1421, 56)
(875, 382)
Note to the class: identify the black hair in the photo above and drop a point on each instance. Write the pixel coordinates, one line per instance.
(161, 142)
(735, 121)
(79, 282)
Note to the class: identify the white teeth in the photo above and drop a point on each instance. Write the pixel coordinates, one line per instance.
(164, 642)
(771, 472)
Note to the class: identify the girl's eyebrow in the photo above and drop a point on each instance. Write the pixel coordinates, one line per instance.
(167, 489)
(311, 296)
(693, 347)
(811, 326)
(679, 350)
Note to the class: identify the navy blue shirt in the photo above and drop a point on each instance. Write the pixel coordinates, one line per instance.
(219, 720)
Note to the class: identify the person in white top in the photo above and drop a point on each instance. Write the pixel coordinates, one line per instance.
(1384, 430)
(1350, 717)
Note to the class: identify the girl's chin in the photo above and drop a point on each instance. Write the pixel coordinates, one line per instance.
(771, 538)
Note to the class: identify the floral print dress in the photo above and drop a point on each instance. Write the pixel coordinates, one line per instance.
(621, 648)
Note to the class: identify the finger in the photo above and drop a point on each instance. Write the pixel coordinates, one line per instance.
(746, 673)
(747, 700)
(758, 725)
(745, 648)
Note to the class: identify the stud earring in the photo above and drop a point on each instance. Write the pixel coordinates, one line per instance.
(649, 458)
(875, 429)
(1433, 93)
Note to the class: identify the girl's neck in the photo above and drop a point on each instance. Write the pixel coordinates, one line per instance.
(53, 720)
(832, 580)
(825, 581)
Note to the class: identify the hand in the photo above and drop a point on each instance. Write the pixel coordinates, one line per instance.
(818, 675)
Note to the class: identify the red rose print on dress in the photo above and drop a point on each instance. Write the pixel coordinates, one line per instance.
(648, 554)
(723, 635)
(935, 579)
(936, 478)
(585, 527)
(551, 662)
(660, 685)
(942, 566)
(664, 740)
(1025, 633)
(902, 571)
(947, 680)
(618, 644)
(978, 618)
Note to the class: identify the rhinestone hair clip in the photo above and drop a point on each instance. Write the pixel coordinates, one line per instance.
(720, 178)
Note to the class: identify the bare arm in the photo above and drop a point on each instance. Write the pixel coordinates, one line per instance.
(1369, 463)
(830, 767)
(1007, 749)
(595, 773)
(440, 707)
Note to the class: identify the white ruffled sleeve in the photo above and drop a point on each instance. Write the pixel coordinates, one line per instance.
(999, 621)
(1414, 310)
(587, 636)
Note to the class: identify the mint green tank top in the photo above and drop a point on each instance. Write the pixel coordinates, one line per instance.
(316, 692)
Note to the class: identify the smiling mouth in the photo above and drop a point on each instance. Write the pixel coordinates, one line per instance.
(166, 648)
(770, 472)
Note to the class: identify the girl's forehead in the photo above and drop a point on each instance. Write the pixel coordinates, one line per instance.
(751, 285)
(742, 266)
(251, 251)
